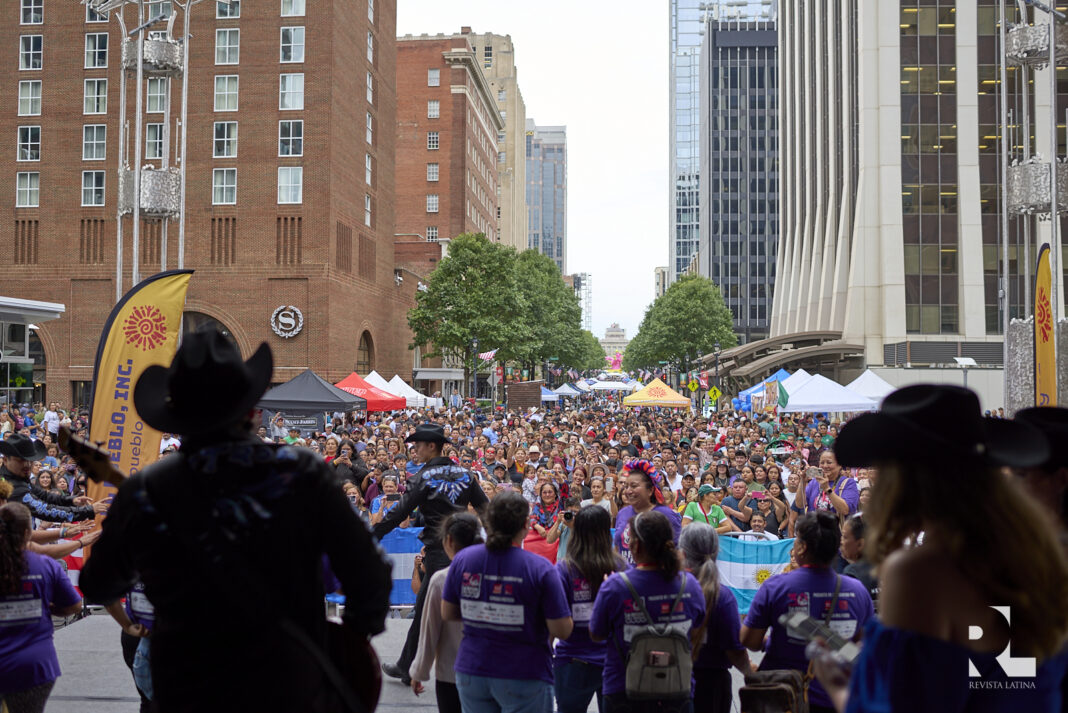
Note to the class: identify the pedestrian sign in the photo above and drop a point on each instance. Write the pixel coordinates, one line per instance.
(714, 394)
(693, 385)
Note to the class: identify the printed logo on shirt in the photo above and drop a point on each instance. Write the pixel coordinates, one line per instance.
(471, 585)
(501, 588)
(20, 611)
(580, 590)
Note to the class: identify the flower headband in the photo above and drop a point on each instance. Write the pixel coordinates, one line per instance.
(650, 470)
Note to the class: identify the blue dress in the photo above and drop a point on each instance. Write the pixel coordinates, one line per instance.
(906, 671)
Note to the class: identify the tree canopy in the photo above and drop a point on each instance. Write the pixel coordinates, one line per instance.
(680, 326)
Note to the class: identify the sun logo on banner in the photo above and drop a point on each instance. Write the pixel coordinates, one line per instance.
(761, 575)
(145, 328)
(1043, 314)
(657, 392)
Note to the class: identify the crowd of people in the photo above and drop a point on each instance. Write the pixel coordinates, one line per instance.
(570, 554)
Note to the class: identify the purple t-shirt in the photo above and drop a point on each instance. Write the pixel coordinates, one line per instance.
(622, 536)
(504, 599)
(138, 608)
(26, 624)
(616, 615)
(721, 635)
(845, 488)
(810, 590)
(580, 597)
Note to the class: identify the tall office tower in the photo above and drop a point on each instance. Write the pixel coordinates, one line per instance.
(685, 51)
(660, 281)
(547, 191)
(289, 208)
(739, 137)
(581, 283)
(497, 56)
(890, 176)
(447, 124)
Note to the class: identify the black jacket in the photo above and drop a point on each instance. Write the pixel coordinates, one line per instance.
(43, 504)
(439, 489)
(229, 540)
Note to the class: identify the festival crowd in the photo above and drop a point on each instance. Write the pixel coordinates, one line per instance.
(570, 553)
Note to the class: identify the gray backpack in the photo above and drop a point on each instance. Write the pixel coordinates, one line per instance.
(659, 665)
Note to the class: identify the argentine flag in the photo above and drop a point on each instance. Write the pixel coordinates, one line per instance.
(745, 564)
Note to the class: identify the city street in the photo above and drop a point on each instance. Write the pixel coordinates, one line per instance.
(95, 680)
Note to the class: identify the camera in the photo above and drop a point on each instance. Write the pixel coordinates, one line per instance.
(568, 516)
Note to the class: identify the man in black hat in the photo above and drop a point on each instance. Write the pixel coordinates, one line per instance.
(439, 489)
(19, 453)
(228, 537)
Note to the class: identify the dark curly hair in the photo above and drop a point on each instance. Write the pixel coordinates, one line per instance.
(14, 531)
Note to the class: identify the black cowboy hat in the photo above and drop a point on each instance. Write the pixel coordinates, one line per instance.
(206, 371)
(429, 432)
(1053, 422)
(19, 446)
(941, 424)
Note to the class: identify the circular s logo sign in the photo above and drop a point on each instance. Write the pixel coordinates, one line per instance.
(287, 321)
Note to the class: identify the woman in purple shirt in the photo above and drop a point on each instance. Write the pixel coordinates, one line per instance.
(579, 662)
(510, 602)
(641, 489)
(32, 588)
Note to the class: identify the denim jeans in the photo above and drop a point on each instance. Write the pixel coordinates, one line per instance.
(483, 694)
(619, 703)
(576, 683)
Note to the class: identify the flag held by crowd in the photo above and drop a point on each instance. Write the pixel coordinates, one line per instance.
(744, 565)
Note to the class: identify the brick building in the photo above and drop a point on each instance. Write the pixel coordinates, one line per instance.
(290, 178)
(447, 124)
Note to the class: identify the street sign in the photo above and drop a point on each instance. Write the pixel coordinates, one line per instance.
(692, 386)
(714, 394)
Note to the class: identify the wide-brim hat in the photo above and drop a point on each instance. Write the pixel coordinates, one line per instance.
(1052, 421)
(206, 386)
(19, 446)
(937, 423)
(429, 433)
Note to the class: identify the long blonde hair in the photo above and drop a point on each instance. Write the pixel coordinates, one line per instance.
(1019, 562)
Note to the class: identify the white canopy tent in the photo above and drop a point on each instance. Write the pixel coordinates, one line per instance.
(612, 386)
(871, 385)
(567, 390)
(399, 387)
(375, 379)
(819, 394)
(582, 385)
(794, 381)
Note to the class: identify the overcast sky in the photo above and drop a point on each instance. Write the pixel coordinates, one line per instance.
(601, 69)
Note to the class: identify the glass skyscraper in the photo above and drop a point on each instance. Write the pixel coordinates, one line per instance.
(686, 24)
(547, 191)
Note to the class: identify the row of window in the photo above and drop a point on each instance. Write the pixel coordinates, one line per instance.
(32, 11)
(223, 188)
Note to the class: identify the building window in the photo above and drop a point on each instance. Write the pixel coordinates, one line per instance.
(432, 140)
(30, 98)
(370, 47)
(92, 188)
(94, 142)
(291, 92)
(501, 136)
(226, 92)
(432, 203)
(370, 89)
(225, 139)
(292, 45)
(32, 12)
(370, 128)
(487, 56)
(159, 9)
(371, 10)
(227, 46)
(292, 8)
(31, 51)
(96, 96)
(28, 189)
(367, 209)
(367, 169)
(156, 95)
(433, 109)
(290, 184)
(154, 141)
(96, 50)
(501, 156)
(504, 114)
(94, 16)
(224, 186)
(432, 234)
(29, 143)
(502, 95)
(291, 138)
(432, 170)
(433, 77)
(224, 10)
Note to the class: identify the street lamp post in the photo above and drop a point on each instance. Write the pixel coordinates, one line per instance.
(474, 368)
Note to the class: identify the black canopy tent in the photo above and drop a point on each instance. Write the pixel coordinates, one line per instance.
(309, 393)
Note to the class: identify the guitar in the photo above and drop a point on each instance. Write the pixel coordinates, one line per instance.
(349, 651)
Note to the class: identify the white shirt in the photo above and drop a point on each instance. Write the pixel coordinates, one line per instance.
(51, 419)
(604, 504)
(752, 536)
(166, 443)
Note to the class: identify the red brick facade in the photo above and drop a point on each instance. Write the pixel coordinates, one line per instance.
(466, 129)
(250, 257)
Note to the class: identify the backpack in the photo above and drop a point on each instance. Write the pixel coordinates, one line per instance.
(659, 665)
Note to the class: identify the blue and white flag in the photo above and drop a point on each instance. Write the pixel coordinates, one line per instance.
(745, 565)
(401, 546)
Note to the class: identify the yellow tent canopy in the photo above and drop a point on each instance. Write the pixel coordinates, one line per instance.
(656, 393)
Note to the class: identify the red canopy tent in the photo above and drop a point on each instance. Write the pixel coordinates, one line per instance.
(377, 399)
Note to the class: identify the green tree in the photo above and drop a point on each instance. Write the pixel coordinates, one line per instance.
(472, 293)
(589, 354)
(681, 326)
(554, 317)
